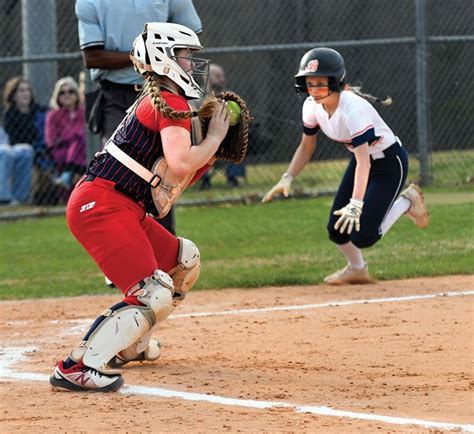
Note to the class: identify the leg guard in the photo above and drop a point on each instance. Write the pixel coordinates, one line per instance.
(186, 273)
(146, 349)
(125, 326)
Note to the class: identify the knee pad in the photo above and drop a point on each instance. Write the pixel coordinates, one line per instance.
(186, 273)
(127, 324)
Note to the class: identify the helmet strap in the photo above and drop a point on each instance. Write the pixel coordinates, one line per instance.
(330, 92)
(167, 88)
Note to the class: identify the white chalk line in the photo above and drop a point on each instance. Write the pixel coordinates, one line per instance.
(81, 324)
(10, 356)
(321, 305)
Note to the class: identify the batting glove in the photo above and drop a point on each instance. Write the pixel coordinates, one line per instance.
(349, 216)
(283, 187)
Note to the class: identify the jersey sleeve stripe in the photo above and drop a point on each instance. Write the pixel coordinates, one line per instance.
(362, 131)
(92, 44)
(366, 137)
(310, 131)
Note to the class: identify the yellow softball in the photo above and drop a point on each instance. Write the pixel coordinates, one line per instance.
(234, 112)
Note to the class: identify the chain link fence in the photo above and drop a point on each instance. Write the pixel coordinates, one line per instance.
(420, 52)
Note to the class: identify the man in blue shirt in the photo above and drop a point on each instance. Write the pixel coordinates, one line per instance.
(107, 29)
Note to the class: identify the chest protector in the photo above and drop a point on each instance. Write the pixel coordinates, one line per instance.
(166, 187)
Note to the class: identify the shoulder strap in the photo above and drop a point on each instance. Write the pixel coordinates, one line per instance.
(133, 165)
(196, 127)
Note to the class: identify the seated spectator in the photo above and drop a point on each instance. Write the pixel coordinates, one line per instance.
(65, 133)
(22, 121)
(3, 136)
(216, 83)
(233, 173)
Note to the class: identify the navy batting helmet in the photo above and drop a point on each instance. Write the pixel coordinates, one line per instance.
(321, 62)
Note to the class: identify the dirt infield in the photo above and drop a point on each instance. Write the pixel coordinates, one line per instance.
(262, 360)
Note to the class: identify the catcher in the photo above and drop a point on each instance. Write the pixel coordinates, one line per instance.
(154, 154)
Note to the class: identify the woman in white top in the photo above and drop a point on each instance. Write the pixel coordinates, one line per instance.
(366, 204)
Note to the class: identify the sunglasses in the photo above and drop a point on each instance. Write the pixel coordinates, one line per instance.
(69, 92)
(320, 85)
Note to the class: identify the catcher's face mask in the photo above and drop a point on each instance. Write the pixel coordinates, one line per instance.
(157, 50)
(196, 68)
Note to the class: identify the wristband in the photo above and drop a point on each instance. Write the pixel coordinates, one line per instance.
(357, 202)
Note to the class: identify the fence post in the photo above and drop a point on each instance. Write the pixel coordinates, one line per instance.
(39, 37)
(422, 92)
(92, 140)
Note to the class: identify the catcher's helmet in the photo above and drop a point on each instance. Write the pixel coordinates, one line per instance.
(321, 62)
(154, 51)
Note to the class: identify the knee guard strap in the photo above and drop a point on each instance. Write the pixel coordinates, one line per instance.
(186, 273)
(157, 293)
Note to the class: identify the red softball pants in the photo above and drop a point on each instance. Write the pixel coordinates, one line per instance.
(126, 244)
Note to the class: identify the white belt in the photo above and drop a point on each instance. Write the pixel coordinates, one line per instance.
(380, 154)
(150, 177)
(377, 155)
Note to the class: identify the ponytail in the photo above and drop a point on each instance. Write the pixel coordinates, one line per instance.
(152, 87)
(367, 96)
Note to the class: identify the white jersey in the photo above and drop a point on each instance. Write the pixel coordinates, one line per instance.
(354, 123)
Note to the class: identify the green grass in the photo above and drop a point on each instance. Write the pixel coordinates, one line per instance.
(245, 246)
(450, 169)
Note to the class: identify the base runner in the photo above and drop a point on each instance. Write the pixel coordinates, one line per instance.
(367, 202)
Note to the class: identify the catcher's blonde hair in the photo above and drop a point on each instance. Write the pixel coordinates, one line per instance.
(152, 87)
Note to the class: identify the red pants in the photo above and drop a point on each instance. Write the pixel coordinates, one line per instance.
(125, 243)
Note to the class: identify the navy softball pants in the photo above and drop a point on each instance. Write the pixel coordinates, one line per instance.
(386, 179)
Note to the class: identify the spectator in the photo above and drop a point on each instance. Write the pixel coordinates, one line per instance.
(14, 161)
(3, 136)
(233, 172)
(106, 34)
(65, 134)
(216, 83)
(24, 125)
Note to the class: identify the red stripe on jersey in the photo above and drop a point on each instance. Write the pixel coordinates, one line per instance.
(362, 131)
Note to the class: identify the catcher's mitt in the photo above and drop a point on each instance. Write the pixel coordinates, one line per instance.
(235, 144)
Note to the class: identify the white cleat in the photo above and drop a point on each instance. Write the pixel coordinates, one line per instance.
(349, 275)
(418, 211)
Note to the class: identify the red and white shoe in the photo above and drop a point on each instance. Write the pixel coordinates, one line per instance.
(82, 378)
